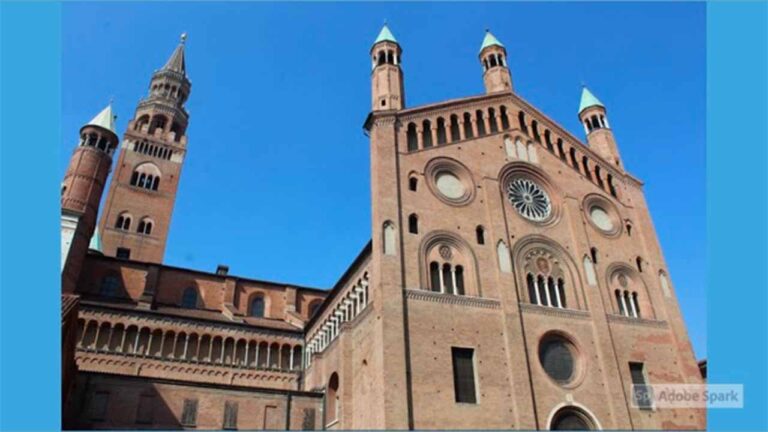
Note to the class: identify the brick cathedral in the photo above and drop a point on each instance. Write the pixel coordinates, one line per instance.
(513, 280)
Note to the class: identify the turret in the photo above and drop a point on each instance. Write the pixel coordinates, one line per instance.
(593, 116)
(386, 77)
(493, 57)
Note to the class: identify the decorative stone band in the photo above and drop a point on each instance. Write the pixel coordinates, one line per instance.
(637, 321)
(553, 311)
(423, 295)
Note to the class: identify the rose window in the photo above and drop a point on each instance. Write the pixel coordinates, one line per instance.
(529, 199)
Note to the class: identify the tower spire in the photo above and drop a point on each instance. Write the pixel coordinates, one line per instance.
(493, 57)
(594, 117)
(387, 76)
(176, 62)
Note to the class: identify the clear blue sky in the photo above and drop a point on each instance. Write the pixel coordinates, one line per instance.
(276, 182)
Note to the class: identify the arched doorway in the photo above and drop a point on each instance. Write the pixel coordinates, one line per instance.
(572, 418)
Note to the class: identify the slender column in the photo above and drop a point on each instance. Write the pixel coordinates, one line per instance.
(487, 122)
(557, 294)
(109, 338)
(223, 348)
(454, 288)
(495, 120)
(162, 344)
(419, 137)
(631, 303)
(546, 292)
(210, 351)
(474, 127)
(136, 343)
(442, 282)
(186, 345)
(434, 134)
(257, 354)
(536, 288)
(269, 351)
(247, 364)
(462, 133)
(173, 347)
(586, 129)
(625, 311)
(290, 365)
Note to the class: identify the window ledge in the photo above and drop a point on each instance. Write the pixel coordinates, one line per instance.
(462, 300)
(636, 321)
(554, 311)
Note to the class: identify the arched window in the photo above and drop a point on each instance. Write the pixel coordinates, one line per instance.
(560, 150)
(535, 129)
(382, 57)
(143, 120)
(664, 282)
(389, 238)
(480, 235)
(413, 224)
(413, 184)
(639, 262)
(571, 419)
(548, 141)
(521, 119)
(189, 298)
(595, 123)
(434, 276)
(629, 229)
(620, 302)
(598, 177)
(145, 226)
(611, 187)
(504, 118)
(492, 120)
(332, 398)
(413, 141)
(257, 307)
(492, 61)
(158, 122)
(468, 126)
(574, 161)
(123, 222)
(147, 176)
(426, 134)
(390, 57)
(533, 293)
(455, 133)
(480, 123)
(441, 137)
(585, 164)
(459, 272)
(636, 305)
(593, 253)
(110, 285)
(589, 271)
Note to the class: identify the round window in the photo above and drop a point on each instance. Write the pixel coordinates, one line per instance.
(557, 358)
(529, 199)
(600, 218)
(450, 186)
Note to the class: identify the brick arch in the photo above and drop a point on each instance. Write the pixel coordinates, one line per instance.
(636, 283)
(434, 240)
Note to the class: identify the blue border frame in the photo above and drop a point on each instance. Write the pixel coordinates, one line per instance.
(30, 278)
(737, 152)
(737, 143)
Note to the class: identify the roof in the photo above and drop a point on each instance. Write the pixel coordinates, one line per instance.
(176, 61)
(588, 100)
(385, 35)
(490, 40)
(105, 119)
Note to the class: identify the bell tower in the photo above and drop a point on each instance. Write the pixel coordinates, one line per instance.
(593, 116)
(81, 192)
(493, 57)
(387, 77)
(137, 214)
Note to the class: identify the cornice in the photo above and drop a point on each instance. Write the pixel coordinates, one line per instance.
(636, 321)
(478, 302)
(553, 311)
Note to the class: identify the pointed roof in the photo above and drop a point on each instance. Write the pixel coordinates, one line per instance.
(105, 119)
(588, 100)
(176, 61)
(95, 243)
(385, 35)
(490, 40)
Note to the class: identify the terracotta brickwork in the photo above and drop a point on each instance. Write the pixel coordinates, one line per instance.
(497, 236)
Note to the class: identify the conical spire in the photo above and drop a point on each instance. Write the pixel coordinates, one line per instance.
(490, 40)
(588, 100)
(95, 243)
(176, 62)
(104, 119)
(385, 35)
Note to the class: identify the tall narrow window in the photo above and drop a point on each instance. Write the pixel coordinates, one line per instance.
(257, 307)
(389, 238)
(468, 126)
(636, 304)
(189, 413)
(560, 150)
(413, 184)
(464, 375)
(542, 290)
(413, 140)
(593, 252)
(480, 235)
(533, 295)
(639, 262)
(620, 303)
(455, 133)
(459, 280)
(504, 118)
(640, 391)
(561, 292)
(426, 134)
(492, 120)
(441, 137)
(332, 398)
(521, 119)
(480, 123)
(413, 224)
(230, 415)
(535, 129)
(434, 276)
(553, 293)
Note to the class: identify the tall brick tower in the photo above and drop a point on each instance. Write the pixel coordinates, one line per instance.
(81, 192)
(593, 116)
(137, 213)
(386, 77)
(493, 56)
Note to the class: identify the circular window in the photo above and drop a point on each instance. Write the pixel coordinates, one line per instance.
(559, 359)
(450, 181)
(450, 186)
(529, 199)
(600, 218)
(570, 419)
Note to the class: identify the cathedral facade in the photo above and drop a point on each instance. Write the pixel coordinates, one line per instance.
(513, 280)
